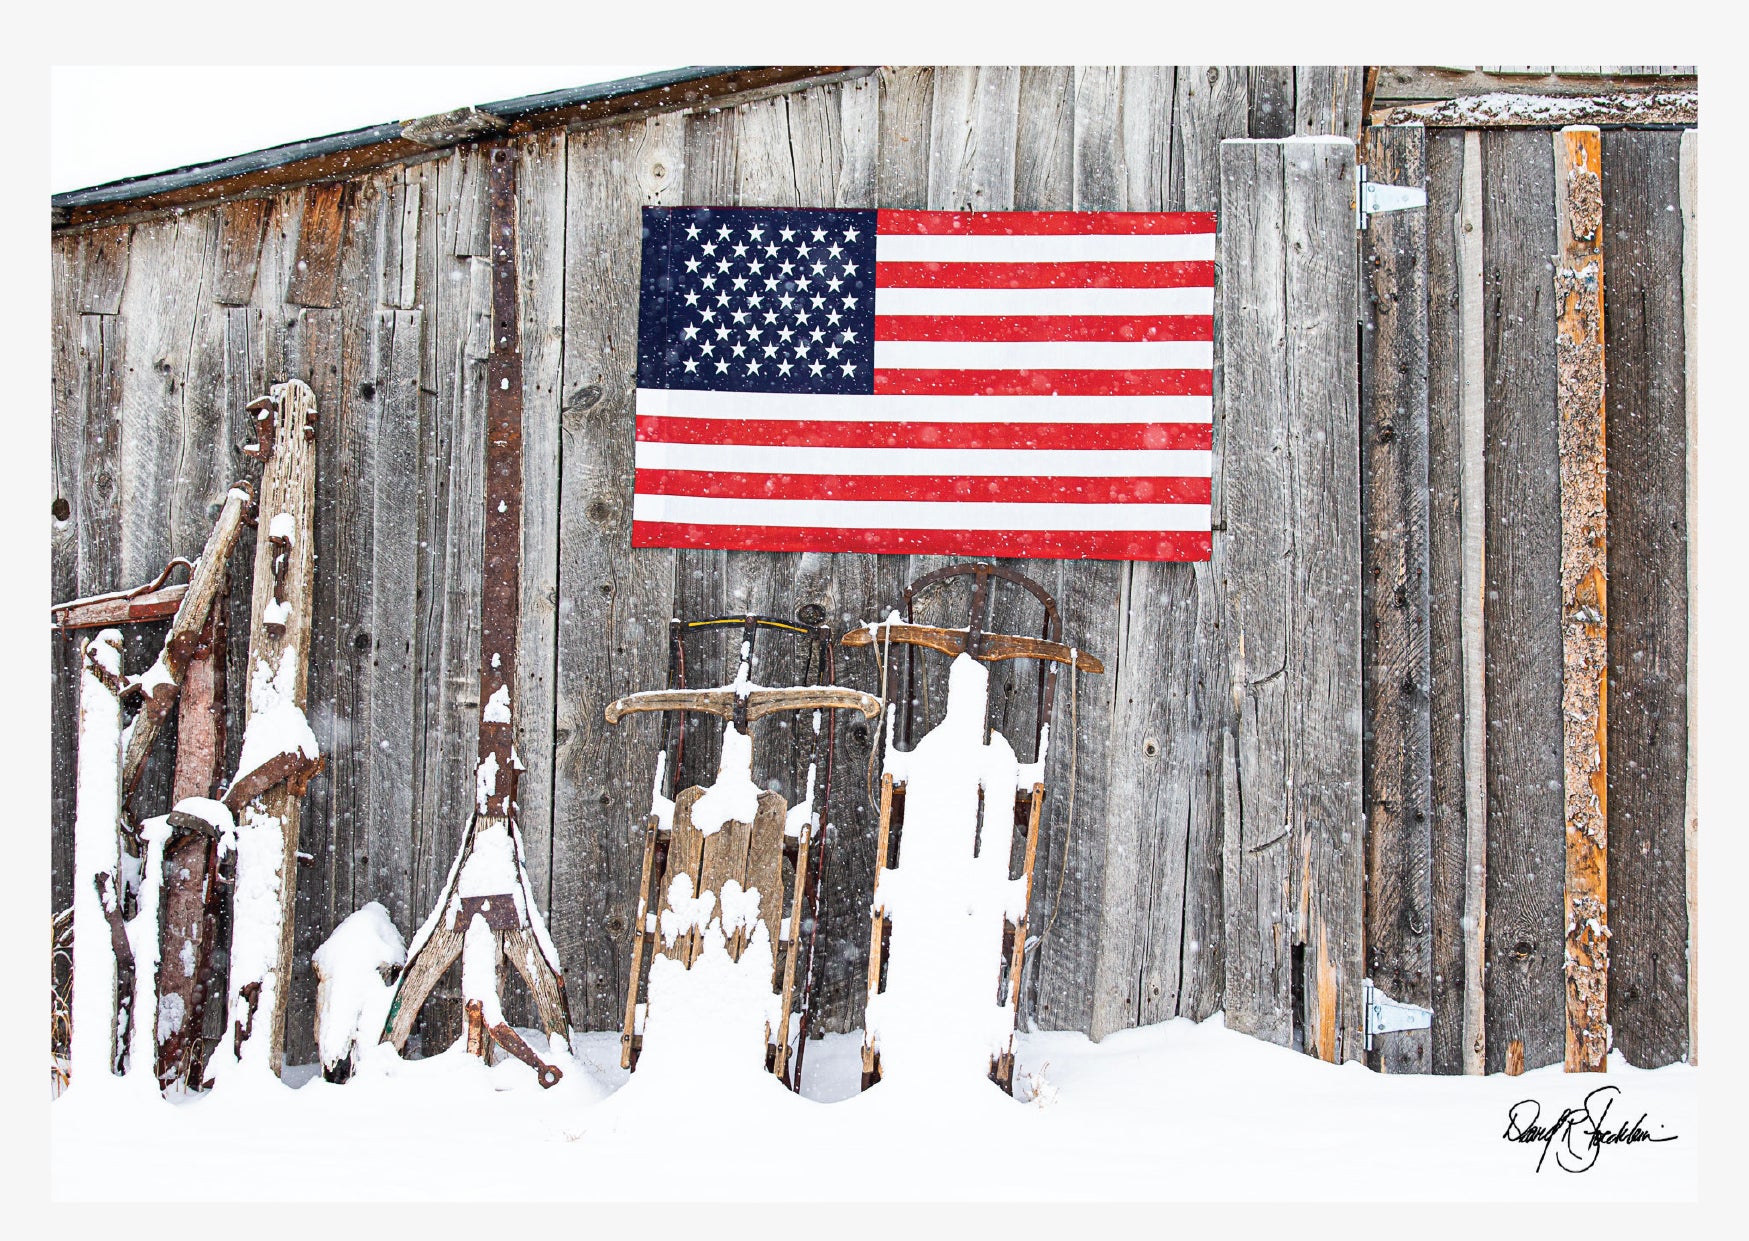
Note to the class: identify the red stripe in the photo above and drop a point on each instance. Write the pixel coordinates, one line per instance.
(897, 382)
(1109, 436)
(1103, 328)
(1091, 274)
(1035, 544)
(1054, 223)
(1010, 490)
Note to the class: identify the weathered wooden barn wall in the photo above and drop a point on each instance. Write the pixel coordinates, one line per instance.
(376, 292)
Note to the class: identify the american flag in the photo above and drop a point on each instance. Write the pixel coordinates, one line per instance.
(962, 383)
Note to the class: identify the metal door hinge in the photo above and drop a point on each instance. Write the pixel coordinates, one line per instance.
(1383, 1015)
(1375, 197)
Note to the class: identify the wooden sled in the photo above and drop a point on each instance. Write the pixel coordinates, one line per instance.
(757, 854)
(974, 640)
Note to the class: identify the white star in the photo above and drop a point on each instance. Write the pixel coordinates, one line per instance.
(710, 282)
(692, 232)
(738, 349)
(850, 269)
(754, 331)
(723, 232)
(709, 248)
(788, 234)
(723, 265)
(691, 365)
(758, 232)
(802, 283)
(783, 368)
(770, 250)
(739, 316)
(740, 249)
(784, 335)
(758, 299)
(819, 234)
(740, 283)
(689, 333)
(752, 367)
(850, 235)
(722, 332)
(787, 267)
(835, 250)
(692, 297)
(834, 283)
(815, 335)
(802, 250)
(816, 301)
(818, 269)
(691, 265)
(802, 349)
(722, 299)
(707, 349)
(707, 314)
(756, 267)
(771, 316)
(785, 301)
(722, 365)
(850, 303)
(832, 352)
(771, 284)
(801, 316)
(849, 337)
(814, 368)
(849, 370)
(833, 318)
(770, 350)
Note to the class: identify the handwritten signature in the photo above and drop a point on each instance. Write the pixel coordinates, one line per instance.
(1578, 1135)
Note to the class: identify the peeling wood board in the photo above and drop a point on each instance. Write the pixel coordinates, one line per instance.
(315, 277)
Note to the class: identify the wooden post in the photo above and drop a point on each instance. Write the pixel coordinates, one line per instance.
(1584, 592)
(1473, 509)
(278, 673)
(1689, 195)
(96, 855)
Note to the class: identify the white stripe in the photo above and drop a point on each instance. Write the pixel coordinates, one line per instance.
(1044, 355)
(1037, 248)
(861, 407)
(917, 515)
(926, 462)
(1194, 300)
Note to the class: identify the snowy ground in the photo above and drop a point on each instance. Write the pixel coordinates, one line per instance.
(1173, 1111)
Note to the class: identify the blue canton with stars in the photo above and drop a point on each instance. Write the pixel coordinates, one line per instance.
(755, 299)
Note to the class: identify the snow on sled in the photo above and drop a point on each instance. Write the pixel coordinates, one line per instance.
(713, 879)
(959, 826)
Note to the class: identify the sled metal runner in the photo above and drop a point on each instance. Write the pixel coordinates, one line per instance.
(753, 854)
(976, 640)
(510, 918)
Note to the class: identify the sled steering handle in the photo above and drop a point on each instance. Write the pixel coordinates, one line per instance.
(758, 702)
(991, 646)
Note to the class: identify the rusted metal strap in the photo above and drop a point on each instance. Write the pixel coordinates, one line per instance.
(501, 591)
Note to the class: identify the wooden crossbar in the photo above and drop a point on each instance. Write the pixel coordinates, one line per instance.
(991, 646)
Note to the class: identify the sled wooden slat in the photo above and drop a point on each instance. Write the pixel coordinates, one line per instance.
(686, 846)
(764, 870)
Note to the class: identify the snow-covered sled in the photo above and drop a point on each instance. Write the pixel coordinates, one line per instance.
(949, 991)
(715, 859)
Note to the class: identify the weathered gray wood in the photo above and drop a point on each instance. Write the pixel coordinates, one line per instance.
(1445, 154)
(1044, 150)
(1272, 101)
(615, 600)
(973, 124)
(1210, 104)
(103, 268)
(1472, 540)
(1690, 155)
(1395, 588)
(1525, 993)
(1257, 811)
(902, 166)
(1648, 603)
(1324, 650)
(398, 239)
(383, 866)
(1327, 99)
(540, 225)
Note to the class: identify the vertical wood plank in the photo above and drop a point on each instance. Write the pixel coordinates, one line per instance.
(1472, 510)
(1187, 974)
(903, 159)
(1648, 588)
(614, 600)
(1446, 598)
(1579, 284)
(1257, 817)
(540, 233)
(1327, 99)
(103, 268)
(1272, 101)
(241, 225)
(1690, 156)
(1395, 591)
(1525, 994)
(315, 277)
(66, 442)
(1324, 721)
(973, 127)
